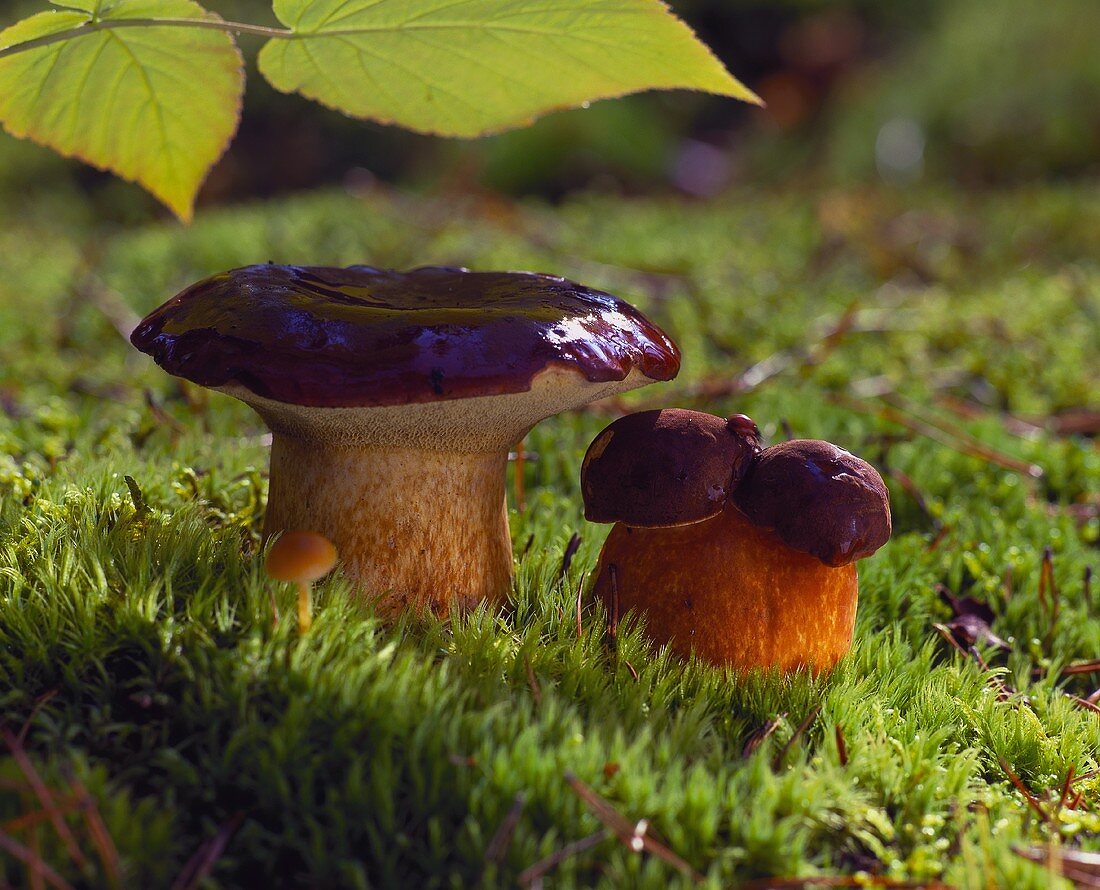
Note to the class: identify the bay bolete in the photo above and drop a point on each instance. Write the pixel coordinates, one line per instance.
(393, 399)
(765, 580)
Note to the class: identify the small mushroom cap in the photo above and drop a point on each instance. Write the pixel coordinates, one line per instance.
(300, 556)
(351, 338)
(666, 467)
(819, 499)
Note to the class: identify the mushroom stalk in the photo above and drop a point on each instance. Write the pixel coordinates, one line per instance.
(426, 529)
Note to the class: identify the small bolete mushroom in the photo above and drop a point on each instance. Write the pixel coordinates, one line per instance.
(301, 557)
(769, 580)
(393, 399)
(666, 467)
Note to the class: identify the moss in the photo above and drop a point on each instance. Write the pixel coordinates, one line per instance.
(139, 643)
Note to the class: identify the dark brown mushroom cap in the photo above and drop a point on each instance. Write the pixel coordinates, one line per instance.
(666, 467)
(819, 499)
(355, 337)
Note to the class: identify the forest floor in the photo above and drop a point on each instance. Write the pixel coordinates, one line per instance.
(154, 684)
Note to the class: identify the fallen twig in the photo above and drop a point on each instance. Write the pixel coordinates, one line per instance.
(502, 838)
(33, 862)
(570, 551)
(634, 836)
(535, 872)
(1031, 799)
(802, 727)
(45, 799)
(200, 865)
(956, 440)
(762, 734)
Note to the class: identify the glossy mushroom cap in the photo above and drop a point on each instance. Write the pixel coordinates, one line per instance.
(356, 337)
(301, 557)
(819, 499)
(667, 467)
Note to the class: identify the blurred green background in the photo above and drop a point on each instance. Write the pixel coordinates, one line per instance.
(858, 91)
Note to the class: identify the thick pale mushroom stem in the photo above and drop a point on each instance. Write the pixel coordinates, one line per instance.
(416, 528)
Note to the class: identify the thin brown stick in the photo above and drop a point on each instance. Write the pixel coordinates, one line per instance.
(38, 882)
(841, 745)
(502, 838)
(1031, 799)
(34, 863)
(1082, 667)
(762, 734)
(97, 829)
(802, 727)
(532, 680)
(45, 799)
(794, 883)
(570, 551)
(944, 631)
(28, 820)
(633, 835)
(535, 872)
(1084, 703)
(1048, 593)
(39, 703)
(200, 865)
(963, 444)
(1066, 786)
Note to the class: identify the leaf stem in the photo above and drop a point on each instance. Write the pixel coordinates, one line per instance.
(91, 27)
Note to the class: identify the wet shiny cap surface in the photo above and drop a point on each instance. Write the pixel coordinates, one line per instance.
(819, 499)
(356, 337)
(666, 467)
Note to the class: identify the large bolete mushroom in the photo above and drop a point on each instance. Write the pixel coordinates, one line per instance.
(763, 578)
(393, 399)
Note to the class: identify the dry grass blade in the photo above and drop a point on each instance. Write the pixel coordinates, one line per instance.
(839, 881)
(502, 839)
(97, 829)
(633, 835)
(34, 863)
(795, 736)
(1082, 667)
(956, 440)
(1084, 703)
(762, 734)
(200, 865)
(1067, 786)
(1080, 867)
(1031, 799)
(45, 799)
(841, 746)
(532, 680)
(570, 551)
(535, 872)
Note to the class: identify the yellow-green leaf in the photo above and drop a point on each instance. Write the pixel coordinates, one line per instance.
(154, 104)
(472, 67)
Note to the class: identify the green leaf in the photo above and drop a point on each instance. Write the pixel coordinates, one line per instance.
(154, 104)
(472, 67)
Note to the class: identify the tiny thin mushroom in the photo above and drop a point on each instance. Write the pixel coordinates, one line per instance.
(302, 558)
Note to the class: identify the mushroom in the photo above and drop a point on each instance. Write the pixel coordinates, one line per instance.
(301, 557)
(765, 577)
(393, 399)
